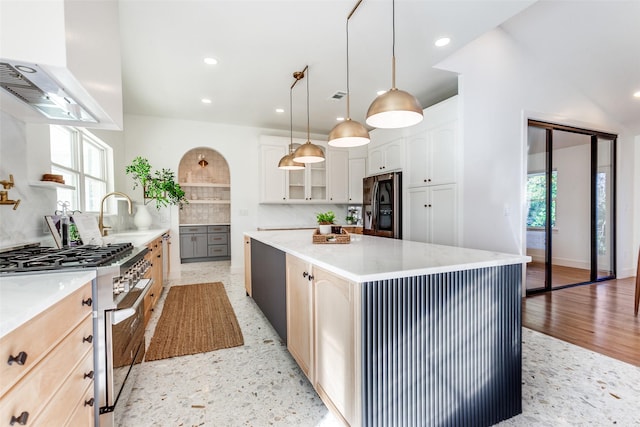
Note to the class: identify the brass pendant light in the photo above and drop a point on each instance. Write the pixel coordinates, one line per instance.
(308, 152)
(286, 162)
(394, 108)
(349, 133)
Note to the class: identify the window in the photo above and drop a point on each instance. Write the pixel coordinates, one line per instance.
(85, 162)
(537, 199)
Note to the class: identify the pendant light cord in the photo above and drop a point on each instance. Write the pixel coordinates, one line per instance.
(291, 120)
(348, 91)
(308, 131)
(393, 44)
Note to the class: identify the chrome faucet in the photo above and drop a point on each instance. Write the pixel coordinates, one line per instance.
(101, 226)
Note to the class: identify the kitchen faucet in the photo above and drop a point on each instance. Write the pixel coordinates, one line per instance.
(101, 226)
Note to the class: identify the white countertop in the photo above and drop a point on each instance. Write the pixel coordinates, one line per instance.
(369, 258)
(23, 297)
(135, 237)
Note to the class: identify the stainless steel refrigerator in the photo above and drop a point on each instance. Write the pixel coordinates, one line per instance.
(382, 205)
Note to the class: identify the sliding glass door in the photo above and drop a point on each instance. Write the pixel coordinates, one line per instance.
(571, 201)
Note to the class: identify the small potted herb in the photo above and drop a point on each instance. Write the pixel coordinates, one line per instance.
(324, 221)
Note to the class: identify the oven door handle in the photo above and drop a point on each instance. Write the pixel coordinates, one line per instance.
(122, 314)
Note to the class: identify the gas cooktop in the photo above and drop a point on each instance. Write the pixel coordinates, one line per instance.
(37, 258)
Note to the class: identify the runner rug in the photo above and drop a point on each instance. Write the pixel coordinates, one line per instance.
(195, 319)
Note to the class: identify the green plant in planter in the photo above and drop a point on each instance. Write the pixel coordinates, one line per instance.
(159, 186)
(325, 218)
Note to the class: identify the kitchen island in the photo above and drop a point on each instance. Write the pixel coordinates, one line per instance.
(392, 332)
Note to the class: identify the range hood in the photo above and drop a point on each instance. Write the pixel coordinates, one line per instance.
(33, 86)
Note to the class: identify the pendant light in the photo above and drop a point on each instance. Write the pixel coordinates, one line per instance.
(349, 133)
(287, 162)
(394, 108)
(308, 152)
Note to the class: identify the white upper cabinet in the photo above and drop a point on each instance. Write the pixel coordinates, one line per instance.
(273, 187)
(338, 175)
(357, 171)
(386, 157)
(88, 68)
(321, 182)
(432, 147)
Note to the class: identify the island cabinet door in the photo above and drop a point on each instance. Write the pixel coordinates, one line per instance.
(335, 346)
(300, 313)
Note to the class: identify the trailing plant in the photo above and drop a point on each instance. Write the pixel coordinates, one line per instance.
(159, 186)
(325, 218)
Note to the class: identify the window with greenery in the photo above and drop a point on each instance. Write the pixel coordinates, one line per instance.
(85, 162)
(537, 199)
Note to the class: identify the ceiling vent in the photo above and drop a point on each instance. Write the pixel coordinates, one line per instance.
(338, 95)
(30, 84)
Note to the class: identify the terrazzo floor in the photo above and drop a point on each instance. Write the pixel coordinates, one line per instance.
(259, 384)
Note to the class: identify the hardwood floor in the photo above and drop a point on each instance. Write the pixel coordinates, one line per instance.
(560, 275)
(598, 317)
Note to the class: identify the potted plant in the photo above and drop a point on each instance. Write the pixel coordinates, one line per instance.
(324, 221)
(350, 219)
(159, 186)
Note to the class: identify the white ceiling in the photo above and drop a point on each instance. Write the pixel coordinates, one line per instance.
(259, 44)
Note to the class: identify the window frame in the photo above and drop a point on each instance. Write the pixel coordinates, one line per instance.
(78, 138)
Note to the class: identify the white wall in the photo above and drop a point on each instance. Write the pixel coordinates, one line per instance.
(26, 163)
(501, 86)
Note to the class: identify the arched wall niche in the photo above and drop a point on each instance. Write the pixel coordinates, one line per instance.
(204, 175)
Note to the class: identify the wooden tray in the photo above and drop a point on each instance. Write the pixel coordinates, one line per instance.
(343, 237)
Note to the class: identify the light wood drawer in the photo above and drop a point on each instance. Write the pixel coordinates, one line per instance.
(33, 392)
(83, 414)
(39, 335)
(66, 399)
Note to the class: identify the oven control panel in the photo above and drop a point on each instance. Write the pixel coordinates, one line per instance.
(127, 280)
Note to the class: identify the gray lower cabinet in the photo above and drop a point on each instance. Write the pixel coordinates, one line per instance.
(204, 243)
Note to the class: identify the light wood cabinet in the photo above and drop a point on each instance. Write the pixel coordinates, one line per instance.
(56, 369)
(432, 215)
(357, 171)
(155, 257)
(338, 175)
(335, 349)
(247, 264)
(299, 278)
(321, 327)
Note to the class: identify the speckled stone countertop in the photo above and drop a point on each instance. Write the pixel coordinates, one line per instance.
(369, 258)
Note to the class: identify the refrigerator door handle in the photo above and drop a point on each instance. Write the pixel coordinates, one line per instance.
(374, 206)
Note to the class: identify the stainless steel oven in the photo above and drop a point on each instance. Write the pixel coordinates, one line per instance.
(120, 344)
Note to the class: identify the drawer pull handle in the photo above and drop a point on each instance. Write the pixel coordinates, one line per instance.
(89, 402)
(22, 419)
(87, 301)
(88, 375)
(88, 339)
(19, 359)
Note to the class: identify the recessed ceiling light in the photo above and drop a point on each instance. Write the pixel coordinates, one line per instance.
(443, 41)
(279, 110)
(637, 94)
(340, 119)
(206, 101)
(380, 92)
(210, 61)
